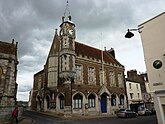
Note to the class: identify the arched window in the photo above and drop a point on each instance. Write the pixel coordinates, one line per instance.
(47, 101)
(61, 98)
(113, 100)
(91, 101)
(77, 100)
(39, 102)
(121, 99)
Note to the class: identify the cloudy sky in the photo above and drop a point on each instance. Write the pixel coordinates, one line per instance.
(99, 23)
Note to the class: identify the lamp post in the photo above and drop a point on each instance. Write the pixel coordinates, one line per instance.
(129, 34)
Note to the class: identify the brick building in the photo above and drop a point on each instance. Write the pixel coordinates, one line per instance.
(77, 78)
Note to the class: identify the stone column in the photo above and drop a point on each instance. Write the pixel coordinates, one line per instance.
(68, 100)
(108, 105)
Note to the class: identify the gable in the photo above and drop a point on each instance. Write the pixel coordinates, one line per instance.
(102, 90)
(55, 46)
(54, 49)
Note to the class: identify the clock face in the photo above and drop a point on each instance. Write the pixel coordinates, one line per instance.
(157, 64)
(70, 31)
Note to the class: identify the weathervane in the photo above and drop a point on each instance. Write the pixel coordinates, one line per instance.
(67, 12)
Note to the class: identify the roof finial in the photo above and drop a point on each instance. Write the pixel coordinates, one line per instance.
(56, 31)
(12, 41)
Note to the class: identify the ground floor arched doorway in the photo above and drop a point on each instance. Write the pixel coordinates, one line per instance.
(103, 103)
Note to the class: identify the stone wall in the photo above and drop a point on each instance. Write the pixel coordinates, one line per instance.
(6, 113)
(8, 85)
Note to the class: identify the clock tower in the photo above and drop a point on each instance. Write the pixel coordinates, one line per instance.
(67, 49)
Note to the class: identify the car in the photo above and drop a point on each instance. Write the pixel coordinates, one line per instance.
(144, 112)
(125, 113)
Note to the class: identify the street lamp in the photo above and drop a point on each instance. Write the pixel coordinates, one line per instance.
(129, 34)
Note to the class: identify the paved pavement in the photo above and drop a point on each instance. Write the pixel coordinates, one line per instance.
(47, 118)
(26, 120)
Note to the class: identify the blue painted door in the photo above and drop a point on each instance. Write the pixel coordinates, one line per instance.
(103, 103)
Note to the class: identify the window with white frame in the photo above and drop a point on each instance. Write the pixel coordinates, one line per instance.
(113, 100)
(121, 99)
(131, 95)
(79, 73)
(61, 99)
(91, 101)
(102, 77)
(138, 95)
(120, 80)
(77, 101)
(130, 86)
(112, 78)
(39, 81)
(137, 86)
(91, 75)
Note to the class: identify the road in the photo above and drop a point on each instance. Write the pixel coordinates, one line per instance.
(40, 118)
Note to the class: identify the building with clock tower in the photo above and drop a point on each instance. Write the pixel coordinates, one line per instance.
(78, 79)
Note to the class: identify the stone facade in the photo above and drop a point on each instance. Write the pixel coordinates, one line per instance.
(8, 74)
(78, 79)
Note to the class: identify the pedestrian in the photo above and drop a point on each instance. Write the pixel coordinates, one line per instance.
(15, 114)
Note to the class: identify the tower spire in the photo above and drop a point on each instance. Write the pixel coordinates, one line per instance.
(67, 15)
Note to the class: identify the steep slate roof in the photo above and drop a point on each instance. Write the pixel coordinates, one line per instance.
(8, 48)
(94, 53)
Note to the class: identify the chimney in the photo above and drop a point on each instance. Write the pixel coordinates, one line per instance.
(131, 74)
(112, 52)
(63, 18)
(12, 41)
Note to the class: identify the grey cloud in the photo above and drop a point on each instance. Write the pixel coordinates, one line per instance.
(24, 88)
(108, 15)
(31, 63)
(23, 96)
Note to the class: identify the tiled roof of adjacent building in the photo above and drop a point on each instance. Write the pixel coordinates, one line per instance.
(94, 53)
(8, 48)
